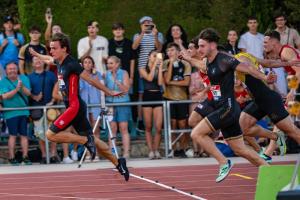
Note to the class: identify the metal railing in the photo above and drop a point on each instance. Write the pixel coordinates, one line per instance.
(166, 118)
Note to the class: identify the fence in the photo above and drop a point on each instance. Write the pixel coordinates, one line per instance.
(166, 119)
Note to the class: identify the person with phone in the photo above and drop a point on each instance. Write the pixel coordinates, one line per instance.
(153, 82)
(144, 42)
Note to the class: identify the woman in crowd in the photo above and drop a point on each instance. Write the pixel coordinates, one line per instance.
(89, 93)
(117, 79)
(177, 35)
(153, 82)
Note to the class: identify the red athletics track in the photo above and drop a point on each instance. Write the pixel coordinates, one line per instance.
(104, 184)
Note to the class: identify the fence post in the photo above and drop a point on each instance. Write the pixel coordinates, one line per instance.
(46, 139)
(166, 128)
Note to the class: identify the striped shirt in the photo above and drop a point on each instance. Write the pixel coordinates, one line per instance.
(147, 44)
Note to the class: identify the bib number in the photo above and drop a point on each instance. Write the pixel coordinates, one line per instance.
(216, 91)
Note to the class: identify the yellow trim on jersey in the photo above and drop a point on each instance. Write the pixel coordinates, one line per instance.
(251, 59)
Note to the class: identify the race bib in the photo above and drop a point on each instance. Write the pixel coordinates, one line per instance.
(216, 92)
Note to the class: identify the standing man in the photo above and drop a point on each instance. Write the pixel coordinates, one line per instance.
(288, 35)
(15, 90)
(95, 46)
(122, 48)
(145, 41)
(10, 43)
(25, 57)
(252, 41)
(74, 119)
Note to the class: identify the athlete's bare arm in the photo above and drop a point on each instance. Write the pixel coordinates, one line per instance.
(246, 67)
(45, 58)
(97, 84)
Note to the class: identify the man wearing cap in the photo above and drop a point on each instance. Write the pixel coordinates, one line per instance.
(10, 42)
(145, 41)
(25, 58)
(95, 46)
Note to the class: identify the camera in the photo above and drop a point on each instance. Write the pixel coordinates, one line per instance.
(149, 28)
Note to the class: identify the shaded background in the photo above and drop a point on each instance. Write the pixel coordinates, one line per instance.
(193, 15)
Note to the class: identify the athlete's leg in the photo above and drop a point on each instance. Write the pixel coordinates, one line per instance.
(287, 126)
(249, 127)
(194, 119)
(200, 135)
(104, 150)
(239, 148)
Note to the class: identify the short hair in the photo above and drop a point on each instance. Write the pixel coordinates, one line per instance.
(273, 34)
(34, 28)
(118, 25)
(11, 63)
(279, 14)
(194, 41)
(173, 44)
(210, 35)
(63, 40)
(252, 17)
(115, 58)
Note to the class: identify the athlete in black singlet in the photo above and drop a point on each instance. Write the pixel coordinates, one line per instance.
(224, 110)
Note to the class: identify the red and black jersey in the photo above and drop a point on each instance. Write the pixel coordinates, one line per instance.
(68, 80)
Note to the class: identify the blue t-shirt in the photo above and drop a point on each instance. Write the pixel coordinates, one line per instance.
(11, 51)
(16, 101)
(36, 82)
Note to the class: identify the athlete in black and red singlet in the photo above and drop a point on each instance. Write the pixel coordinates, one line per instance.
(223, 111)
(75, 115)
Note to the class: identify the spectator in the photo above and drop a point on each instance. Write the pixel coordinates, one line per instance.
(288, 35)
(25, 58)
(117, 79)
(252, 41)
(177, 35)
(231, 45)
(90, 94)
(15, 90)
(10, 42)
(177, 79)
(145, 41)
(42, 83)
(122, 48)
(153, 81)
(95, 46)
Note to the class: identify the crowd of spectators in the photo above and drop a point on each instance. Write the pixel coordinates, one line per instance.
(163, 74)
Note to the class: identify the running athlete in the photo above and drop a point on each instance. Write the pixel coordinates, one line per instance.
(267, 101)
(223, 111)
(75, 116)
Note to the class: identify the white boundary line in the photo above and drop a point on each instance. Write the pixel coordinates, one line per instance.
(167, 187)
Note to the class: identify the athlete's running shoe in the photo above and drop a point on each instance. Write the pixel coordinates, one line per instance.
(122, 168)
(281, 143)
(90, 145)
(224, 171)
(267, 158)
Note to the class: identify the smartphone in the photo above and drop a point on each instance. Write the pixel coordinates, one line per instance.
(149, 28)
(159, 56)
(48, 11)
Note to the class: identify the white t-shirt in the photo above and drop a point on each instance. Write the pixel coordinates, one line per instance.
(281, 82)
(253, 44)
(99, 50)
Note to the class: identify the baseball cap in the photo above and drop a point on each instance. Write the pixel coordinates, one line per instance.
(8, 18)
(145, 18)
